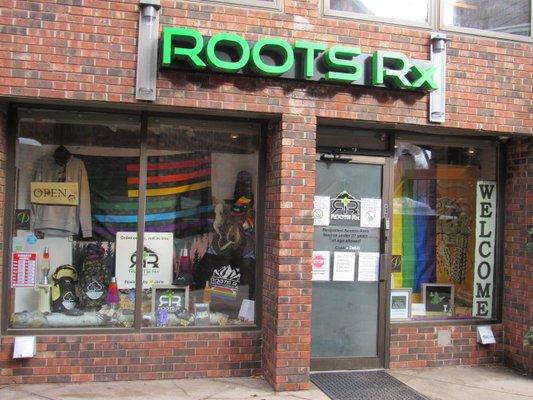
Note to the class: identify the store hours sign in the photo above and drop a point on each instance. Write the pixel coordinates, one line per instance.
(484, 255)
(187, 49)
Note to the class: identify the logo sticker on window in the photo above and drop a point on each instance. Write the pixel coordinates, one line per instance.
(345, 206)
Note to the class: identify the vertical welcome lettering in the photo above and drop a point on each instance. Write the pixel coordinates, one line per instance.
(484, 250)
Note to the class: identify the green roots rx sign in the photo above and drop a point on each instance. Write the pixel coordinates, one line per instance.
(187, 49)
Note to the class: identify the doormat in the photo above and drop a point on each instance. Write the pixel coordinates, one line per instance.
(364, 385)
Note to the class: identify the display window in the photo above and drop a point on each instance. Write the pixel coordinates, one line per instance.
(63, 270)
(444, 230)
(87, 187)
(201, 193)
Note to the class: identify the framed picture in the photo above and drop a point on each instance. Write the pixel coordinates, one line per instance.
(400, 303)
(170, 297)
(438, 298)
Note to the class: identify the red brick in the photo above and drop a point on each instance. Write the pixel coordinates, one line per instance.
(99, 65)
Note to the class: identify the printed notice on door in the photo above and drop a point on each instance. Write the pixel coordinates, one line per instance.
(368, 266)
(321, 211)
(344, 266)
(370, 213)
(320, 265)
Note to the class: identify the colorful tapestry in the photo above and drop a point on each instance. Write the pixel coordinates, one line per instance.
(178, 195)
(414, 223)
(408, 237)
(456, 207)
(424, 223)
(397, 233)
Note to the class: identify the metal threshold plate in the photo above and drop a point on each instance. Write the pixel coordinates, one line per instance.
(363, 385)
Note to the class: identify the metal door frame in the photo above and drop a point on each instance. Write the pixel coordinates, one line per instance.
(383, 337)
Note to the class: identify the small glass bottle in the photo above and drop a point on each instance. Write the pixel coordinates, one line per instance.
(185, 265)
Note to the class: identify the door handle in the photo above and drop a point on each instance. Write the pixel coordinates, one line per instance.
(381, 267)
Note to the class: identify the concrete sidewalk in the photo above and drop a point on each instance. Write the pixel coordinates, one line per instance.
(447, 383)
(472, 383)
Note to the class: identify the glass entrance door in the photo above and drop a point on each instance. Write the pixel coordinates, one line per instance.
(349, 257)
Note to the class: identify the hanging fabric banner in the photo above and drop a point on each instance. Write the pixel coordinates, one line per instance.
(484, 253)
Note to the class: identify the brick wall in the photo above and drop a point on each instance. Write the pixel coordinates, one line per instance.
(134, 356)
(86, 50)
(417, 347)
(290, 189)
(518, 273)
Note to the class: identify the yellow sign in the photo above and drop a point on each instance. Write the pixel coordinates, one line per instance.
(55, 193)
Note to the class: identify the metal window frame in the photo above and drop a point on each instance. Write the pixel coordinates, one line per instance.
(5, 296)
(275, 5)
(381, 359)
(482, 32)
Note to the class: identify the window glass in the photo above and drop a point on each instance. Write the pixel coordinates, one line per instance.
(249, 3)
(444, 218)
(200, 237)
(344, 139)
(503, 16)
(410, 10)
(71, 200)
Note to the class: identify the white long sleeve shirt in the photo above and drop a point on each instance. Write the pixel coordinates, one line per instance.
(63, 220)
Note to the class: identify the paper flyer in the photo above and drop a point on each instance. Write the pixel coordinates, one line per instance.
(370, 213)
(344, 266)
(23, 269)
(320, 262)
(321, 211)
(157, 259)
(368, 266)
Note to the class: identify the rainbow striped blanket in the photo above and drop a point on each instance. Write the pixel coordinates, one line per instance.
(178, 194)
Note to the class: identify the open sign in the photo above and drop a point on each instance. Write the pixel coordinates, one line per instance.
(55, 193)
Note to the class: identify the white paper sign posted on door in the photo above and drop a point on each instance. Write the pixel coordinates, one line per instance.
(321, 211)
(368, 267)
(320, 265)
(370, 213)
(344, 266)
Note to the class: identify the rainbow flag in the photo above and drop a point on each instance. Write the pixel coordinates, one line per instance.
(425, 232)
(408, 238)
(178, 194)
(223, 293)
(414, 225)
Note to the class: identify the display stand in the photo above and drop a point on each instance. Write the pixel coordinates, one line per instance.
(44, 297)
